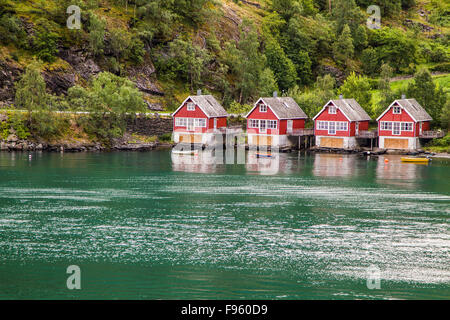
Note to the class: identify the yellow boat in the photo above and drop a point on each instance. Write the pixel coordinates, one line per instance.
(409, 159)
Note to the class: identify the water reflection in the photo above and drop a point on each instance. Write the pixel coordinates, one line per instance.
(201, 161)
(334, 165)
(391, 170)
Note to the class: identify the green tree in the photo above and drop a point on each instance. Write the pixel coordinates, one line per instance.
(287, 8)
(346, 12)
(384, 85)
(343, 48)
(96, 33)
(31, 89)
(360, 38)
(445, 116)
(46, 40)
(267, 83)
(282, 66)
(108, 99)
(430, 96)
(358, 88)
(246, 62)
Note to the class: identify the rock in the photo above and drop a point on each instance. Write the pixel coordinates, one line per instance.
(9, 74)
(12, 138)
(333, 71)
(59, 81)
(3, 146)
(154, 106)
(39, 146)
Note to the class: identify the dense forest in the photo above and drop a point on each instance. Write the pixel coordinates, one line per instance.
(131, 55)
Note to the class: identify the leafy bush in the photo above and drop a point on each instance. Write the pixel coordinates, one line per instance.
(166, 137)
(15, 123)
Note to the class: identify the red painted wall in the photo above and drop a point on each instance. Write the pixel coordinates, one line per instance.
(197, 113)
(339, 116)
(269, 115)
(221, 122)
(402, 117)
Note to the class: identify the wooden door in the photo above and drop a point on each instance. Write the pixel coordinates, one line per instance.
(395, 143)
(332, 142)
(289, 126)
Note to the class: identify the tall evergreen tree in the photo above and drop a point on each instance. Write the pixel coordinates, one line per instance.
(343, 48)
(425, 91)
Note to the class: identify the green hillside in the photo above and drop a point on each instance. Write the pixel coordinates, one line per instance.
(237, 50)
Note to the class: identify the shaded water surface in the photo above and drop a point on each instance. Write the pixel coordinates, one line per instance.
(151, 226)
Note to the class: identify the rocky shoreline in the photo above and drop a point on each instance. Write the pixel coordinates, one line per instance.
(25, 145)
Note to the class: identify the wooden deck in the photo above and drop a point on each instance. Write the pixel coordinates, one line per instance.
(432, 134)
(301, 132)
(365, 134)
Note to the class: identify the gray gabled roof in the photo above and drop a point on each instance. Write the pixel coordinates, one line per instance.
(283, 107)
(414, 109)
(352, 110)
(208, 104)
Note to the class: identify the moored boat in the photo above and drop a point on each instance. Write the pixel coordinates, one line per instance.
(411, 159)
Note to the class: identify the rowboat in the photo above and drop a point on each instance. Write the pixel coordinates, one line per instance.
(263, 155)
(410, 159)
(185, 152)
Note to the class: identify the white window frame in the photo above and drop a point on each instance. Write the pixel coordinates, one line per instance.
(386, 126)
(253, 124)
(322, 125)
(331, 127)
(342, 126)
(262, 107)
(404, 124)
(397, 108)
(394, 129)
(190, 106)
(272, 124)
(332, 109)
(200, 123)
(262, 130)
(180, 122)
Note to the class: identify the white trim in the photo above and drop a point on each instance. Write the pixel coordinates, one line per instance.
(182, 105)
(256, 105)
(387, 109)
(268, 106)
(337, 108)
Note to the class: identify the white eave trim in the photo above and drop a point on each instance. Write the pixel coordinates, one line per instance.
(337, 108)
(268, 106)
(390, 106)
(182, 104)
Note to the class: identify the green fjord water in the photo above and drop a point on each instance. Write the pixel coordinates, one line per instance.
(147, 226)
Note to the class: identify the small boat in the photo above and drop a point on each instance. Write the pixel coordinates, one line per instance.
(263, 155)
(411, 159)
(185, 152)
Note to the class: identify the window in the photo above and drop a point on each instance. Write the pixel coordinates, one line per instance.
(272, 124)
(407, 126)
(386, 125)
(396, 128)
(332, 127)
(397, 110)
(253, 123)
(262, 107)
(322, 125)
(341, 126)
(200, 123)
(191, 106)
(180, 122)
(262, 125)
(332, 110)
